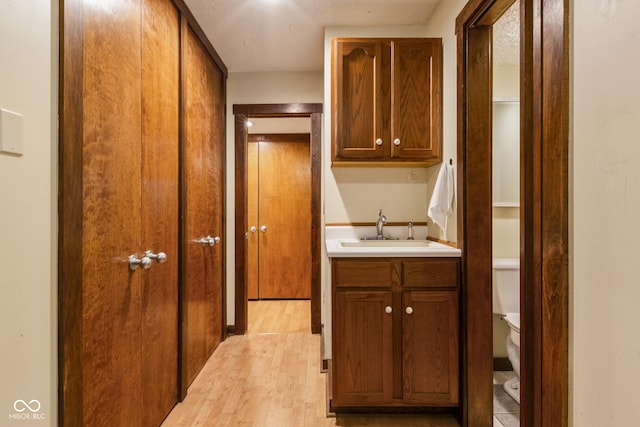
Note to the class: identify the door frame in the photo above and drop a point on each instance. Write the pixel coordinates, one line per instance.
(544, 296)
(243, 112)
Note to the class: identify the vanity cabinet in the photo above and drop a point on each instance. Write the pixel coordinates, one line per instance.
(386, 101)
(395, 332)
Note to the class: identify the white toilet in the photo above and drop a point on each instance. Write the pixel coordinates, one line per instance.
(506, 303)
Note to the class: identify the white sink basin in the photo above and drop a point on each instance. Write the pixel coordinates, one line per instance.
(386, 244)
(346, 241)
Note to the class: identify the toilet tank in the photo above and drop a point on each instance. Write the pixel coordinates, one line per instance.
(506, 285)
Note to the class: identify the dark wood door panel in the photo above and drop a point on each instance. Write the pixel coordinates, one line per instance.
(203, 187)
(111, 163)
(159, 211)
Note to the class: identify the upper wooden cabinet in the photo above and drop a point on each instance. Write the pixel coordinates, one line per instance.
(386, 101)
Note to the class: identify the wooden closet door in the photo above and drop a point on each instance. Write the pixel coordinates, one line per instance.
(110, 217)
(253, 278)
(203, 269)
(285, 211)
(160, 142)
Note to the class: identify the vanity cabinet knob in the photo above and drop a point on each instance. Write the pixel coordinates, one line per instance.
(409, 310)
(388, 309)
(396, 141)
(379, 141)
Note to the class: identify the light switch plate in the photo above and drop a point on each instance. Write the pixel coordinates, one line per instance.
(10, 132)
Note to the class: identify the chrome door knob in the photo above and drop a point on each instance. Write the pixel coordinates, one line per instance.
(409, 310)
(388, 309)
(253, 229)
(379, 141)
(160, 257)
(207, 241)
(216, 240)
(135, 262)
(263, 228)
(396, 141)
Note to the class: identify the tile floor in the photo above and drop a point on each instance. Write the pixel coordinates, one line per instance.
(506, 411)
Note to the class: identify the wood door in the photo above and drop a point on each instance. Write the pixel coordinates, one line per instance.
(361, 99)
(159, 210)
(202, 189)
(109, 344)
(284, 208)
(430, 347)
(253, 278)
(417, 99)
(363, 348)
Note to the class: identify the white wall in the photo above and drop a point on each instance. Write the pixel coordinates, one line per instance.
(28, 239)
(605, 197)
(258, 88)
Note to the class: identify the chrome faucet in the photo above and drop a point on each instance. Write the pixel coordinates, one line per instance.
(382, 220)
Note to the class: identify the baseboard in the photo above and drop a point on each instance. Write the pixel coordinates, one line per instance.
(231, 329)
(502, 364)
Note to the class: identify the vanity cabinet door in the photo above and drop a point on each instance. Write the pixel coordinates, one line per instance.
(417, 100)
(363, 348)
(430, 347)
(361, 99)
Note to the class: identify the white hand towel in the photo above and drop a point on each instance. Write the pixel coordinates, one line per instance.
(441, 205)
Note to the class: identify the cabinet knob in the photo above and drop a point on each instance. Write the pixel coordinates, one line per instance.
(379, 141)
(409, 310)
(396, 141)
(388, 309)
(253, 229)
(263, 228)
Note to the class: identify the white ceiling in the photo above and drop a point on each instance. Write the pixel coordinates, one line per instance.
(288, 35)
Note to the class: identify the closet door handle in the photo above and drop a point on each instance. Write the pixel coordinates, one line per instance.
(135, 262)
(263, 228)
(207, 241)
(253, 229)
(160, 257)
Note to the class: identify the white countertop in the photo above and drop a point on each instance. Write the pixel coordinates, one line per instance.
(346, 241)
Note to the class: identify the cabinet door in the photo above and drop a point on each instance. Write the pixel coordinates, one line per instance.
(417, 100)
(430, 347)
(361, 103)
(363, 350)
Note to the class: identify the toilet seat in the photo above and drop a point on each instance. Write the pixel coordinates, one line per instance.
(513, 319)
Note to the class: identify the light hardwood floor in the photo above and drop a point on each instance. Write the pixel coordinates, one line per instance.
(272, 378)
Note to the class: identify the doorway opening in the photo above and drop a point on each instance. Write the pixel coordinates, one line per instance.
(274, 268)
(543, 218)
